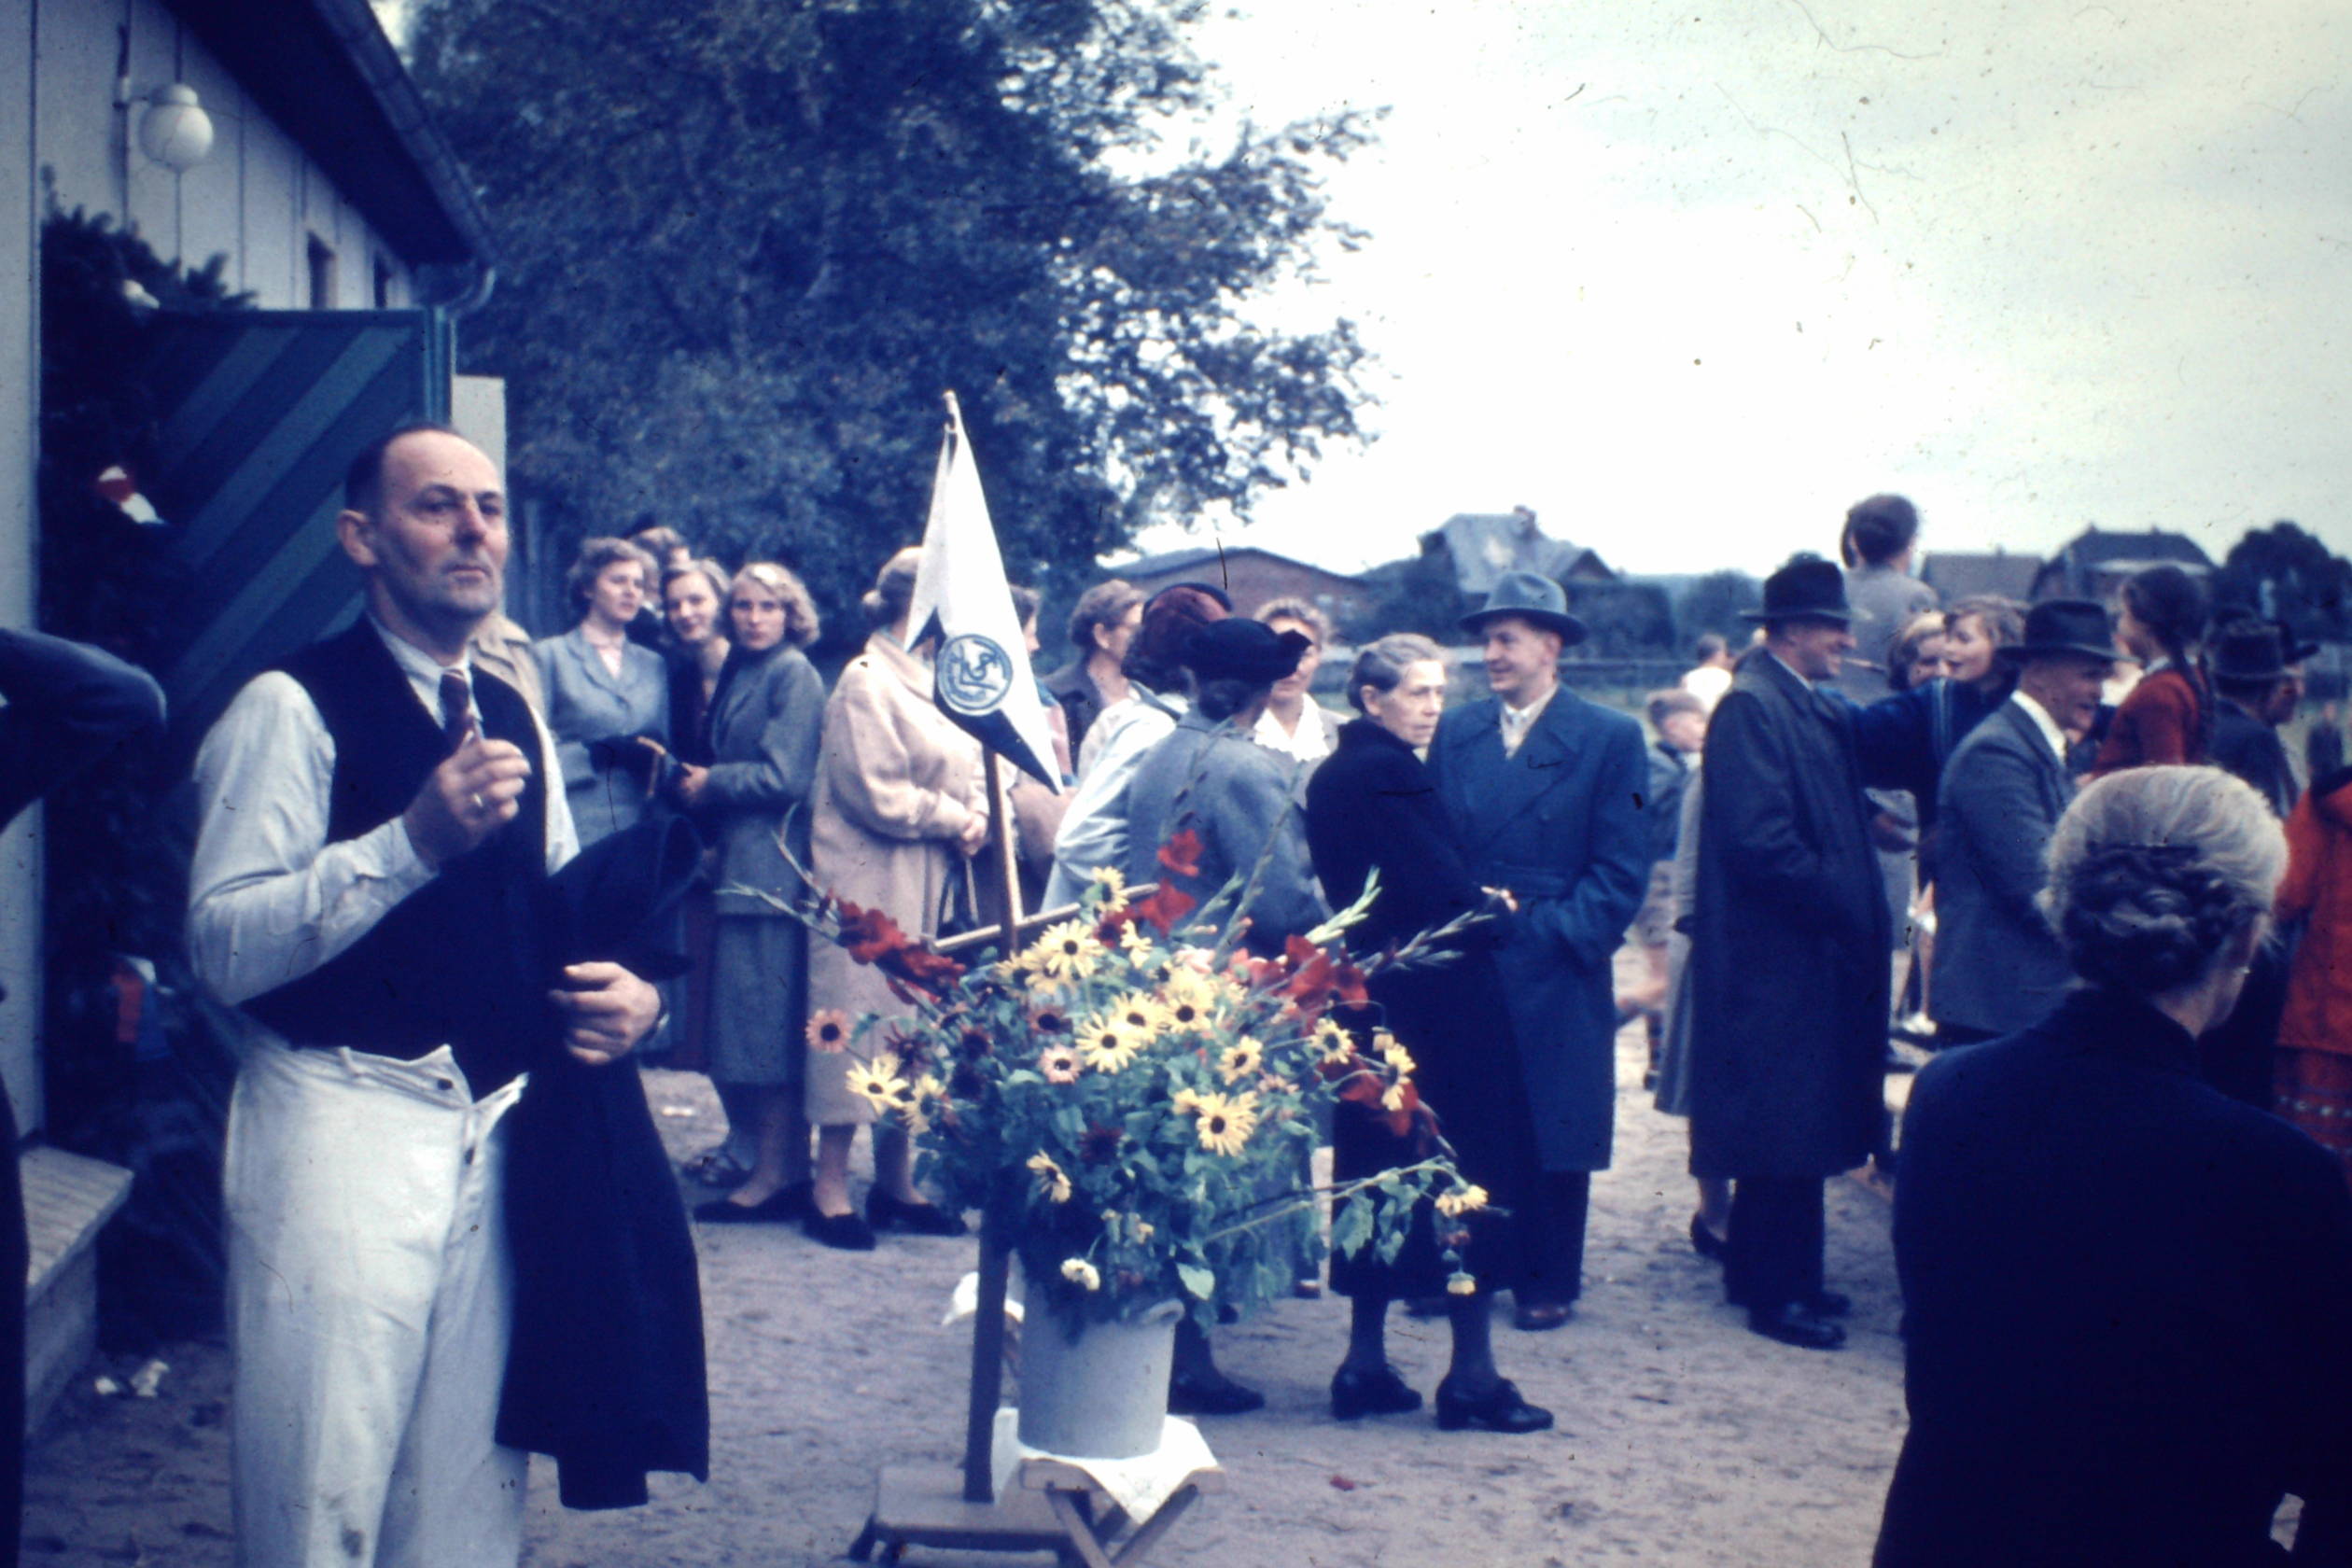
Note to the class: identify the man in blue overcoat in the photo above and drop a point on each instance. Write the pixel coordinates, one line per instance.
(1546, 793)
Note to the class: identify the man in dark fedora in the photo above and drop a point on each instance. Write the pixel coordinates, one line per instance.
(1789, 955)
(2258, 675)
(1997, 965)
(1545, 792)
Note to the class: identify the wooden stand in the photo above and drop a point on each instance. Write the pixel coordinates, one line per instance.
(1056, 1508)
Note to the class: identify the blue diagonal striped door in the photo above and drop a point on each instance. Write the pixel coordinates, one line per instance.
(262, 411)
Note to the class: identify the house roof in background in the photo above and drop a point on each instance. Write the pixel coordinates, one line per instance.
(2098, 546)
(326, 73)
(1959, 574)
(1482, 546)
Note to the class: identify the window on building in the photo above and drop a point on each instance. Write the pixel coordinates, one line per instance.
(322, 274)
(383, 282)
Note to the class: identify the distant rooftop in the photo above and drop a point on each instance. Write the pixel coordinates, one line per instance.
(1482, 546)
(1960, 574)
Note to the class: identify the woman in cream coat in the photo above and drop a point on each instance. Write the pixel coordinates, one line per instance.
(899, 809)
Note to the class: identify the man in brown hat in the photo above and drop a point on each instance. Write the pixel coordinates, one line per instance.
(1997, 964)
(1789, 955)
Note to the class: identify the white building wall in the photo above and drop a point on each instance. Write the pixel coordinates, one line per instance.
(255, 200)
(19, 849)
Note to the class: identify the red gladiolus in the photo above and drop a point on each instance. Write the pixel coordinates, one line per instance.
(1167, 904)
(1180, 854)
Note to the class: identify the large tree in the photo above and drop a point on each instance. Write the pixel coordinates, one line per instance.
(744, 245)
(2284, 573)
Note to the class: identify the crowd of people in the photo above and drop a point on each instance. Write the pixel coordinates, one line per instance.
(1872, 817)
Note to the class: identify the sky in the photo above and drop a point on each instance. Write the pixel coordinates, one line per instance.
(1688, 279)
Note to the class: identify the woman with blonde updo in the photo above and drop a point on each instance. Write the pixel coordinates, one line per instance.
(2124, 1293)
(764, 720)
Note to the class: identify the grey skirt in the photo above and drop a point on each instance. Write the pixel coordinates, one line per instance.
(758, 1001)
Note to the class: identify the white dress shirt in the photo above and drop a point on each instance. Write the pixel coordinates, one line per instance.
(270, 900)
(1516, 721)
(2043, 722)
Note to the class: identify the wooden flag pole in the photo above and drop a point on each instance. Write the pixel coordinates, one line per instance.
(987, 1323)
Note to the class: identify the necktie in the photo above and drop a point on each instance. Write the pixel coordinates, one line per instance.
(456, 702)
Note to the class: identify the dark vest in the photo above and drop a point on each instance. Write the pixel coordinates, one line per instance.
(456, 962)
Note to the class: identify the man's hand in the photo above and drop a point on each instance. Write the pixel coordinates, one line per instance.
(477, 790)
(691, 780)
(609, 1010)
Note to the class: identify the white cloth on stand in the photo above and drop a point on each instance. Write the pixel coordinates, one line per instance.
(1141, 1485)
(369, 1293)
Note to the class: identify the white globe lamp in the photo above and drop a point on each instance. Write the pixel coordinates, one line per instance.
(175, 131)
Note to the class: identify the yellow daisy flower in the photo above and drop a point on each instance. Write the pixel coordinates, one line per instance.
(1393, 1097)
(1189, 987)
(1067, 952)
(1464, 1199)
(1105, 1046)
(1333, 1040)
(879, 1082)
(1226, 1123)
(1185, 1103)
(1059, 1063)
(1459, 1284)
(1113, 881)
(1052, 1183)
(1138, 1015)
(829, 1030)
(1241, 1059)
(1135, 942)
(1079, 1272)
(1392, 1051)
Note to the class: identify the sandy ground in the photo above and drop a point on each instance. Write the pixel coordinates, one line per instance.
(1682, 1439)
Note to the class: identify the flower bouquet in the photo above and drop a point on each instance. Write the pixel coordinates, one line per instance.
(1129, 1100)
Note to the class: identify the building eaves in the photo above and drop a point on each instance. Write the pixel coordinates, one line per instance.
(326, 74)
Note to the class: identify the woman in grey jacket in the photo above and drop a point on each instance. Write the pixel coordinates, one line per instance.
(766, 719)
(607, 698)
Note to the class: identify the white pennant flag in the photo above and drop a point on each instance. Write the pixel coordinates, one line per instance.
(981, 673)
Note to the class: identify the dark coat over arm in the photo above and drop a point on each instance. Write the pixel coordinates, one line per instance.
(1564, 824)
(1789, 941)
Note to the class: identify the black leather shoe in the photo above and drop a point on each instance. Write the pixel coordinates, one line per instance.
(1537, 1316)
(1797, 1323)
(1498, 1408)
(1211, 1393)
(918, 1219)
(1706, 1242)
(1355, 1393)
(844, 1231)
(1831, 1304)
(782, 1206)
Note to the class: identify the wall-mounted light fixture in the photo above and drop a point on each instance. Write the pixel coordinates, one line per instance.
(175, 131)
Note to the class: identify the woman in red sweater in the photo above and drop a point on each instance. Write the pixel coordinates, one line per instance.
(2168, 717)
(2313, 1083)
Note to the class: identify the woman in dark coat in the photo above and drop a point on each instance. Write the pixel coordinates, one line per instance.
(1371, 807)
(2125, 1294)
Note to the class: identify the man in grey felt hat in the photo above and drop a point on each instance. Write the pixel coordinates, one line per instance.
(1997, 964)
(1546, 793)
(1788, 958)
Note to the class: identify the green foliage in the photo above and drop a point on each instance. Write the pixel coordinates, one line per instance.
(1625, 619)
(1713, 605)
(2284, 573)
(1415, 594)
(745, 246)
